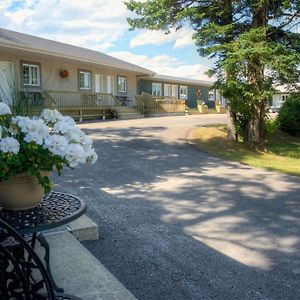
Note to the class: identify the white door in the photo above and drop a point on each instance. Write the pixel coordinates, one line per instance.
(110, 84)
(99, 88)
(175, 91)
(167, 90)
(6, 81)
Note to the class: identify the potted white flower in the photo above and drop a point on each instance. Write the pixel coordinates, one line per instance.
(31, 148)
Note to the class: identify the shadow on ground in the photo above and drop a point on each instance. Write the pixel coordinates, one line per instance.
(176, 223)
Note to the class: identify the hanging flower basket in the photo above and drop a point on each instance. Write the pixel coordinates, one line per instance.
(65, 74)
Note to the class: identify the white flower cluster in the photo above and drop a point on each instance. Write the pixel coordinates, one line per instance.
(9, 144)
(4, 109)
(35, 130)
(66, 140)
(51, 116)
(53, 131)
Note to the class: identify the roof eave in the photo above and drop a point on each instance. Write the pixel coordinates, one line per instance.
(177, 80)
(61, 55)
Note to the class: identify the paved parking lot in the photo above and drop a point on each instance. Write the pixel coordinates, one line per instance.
(176, 223)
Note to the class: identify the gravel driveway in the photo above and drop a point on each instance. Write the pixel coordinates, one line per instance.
(176, 223)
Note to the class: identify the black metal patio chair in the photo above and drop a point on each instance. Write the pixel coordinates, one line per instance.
(22, 273)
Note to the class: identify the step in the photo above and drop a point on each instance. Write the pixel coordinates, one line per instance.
(194, 112)
(124, 108)
(76, 270)
(127, 117)
(83, 228)
(133, 114)
(154, 114)
(128, 112)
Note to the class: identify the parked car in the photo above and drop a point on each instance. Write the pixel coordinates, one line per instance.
(274, 108)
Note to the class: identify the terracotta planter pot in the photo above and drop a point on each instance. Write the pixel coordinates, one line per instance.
(21, 192)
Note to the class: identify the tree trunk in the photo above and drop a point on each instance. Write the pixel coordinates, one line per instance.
(231, 118)
(231, 131)
(254, 136)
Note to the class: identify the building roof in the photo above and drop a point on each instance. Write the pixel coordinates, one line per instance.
(180, 80)
(16, 40)
(287, 88)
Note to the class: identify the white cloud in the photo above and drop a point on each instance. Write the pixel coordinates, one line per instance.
(96, 24)
(165, 65)
(4, 4)
(181, 38)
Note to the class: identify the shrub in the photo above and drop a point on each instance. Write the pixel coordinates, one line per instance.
(289, 115)
(270, 127)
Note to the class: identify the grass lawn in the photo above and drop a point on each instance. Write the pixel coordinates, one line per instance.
(283, 151)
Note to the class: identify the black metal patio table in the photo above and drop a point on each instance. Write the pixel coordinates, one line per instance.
(55, 210)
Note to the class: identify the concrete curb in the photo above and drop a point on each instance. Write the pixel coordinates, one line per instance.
(83, 228)
(76, 270)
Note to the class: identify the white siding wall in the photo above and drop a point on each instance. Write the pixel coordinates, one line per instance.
(278, 99)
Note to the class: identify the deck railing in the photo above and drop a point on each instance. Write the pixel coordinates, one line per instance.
(153, 104)
(139, 104)
(81, 104)
(68, 99)
(171, 106)
(76, 104)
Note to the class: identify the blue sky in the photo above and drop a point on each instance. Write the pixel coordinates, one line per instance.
(101, 25)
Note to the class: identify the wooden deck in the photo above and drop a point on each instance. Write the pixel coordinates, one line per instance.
(149, 104)
(89, 105)
(79, 105)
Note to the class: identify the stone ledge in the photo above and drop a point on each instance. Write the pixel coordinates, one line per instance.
(83, 228)
(76, 270)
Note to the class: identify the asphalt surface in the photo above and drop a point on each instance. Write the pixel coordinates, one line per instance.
(176, 223)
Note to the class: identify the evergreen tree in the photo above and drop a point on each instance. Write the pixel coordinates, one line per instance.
(254, 43)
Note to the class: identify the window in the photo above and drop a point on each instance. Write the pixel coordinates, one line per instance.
(281, 99)
(156, 89)
(211, 95)
(31, 75)
(122, 84)
(85, 80)
(167, 90)
(171, 90)
(183, 91)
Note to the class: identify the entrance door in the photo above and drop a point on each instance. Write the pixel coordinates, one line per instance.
(6, 81)
(175, 91)
(110, 84)
(99, 83)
